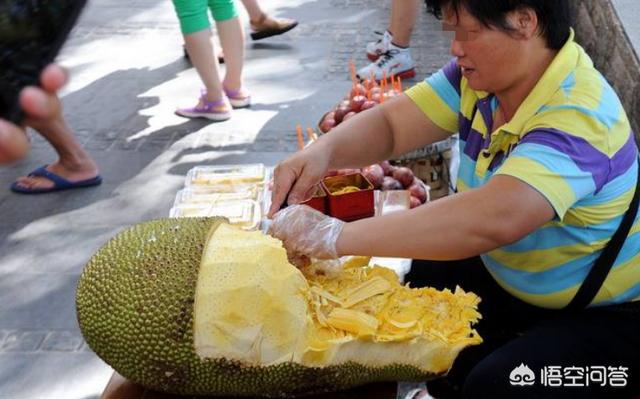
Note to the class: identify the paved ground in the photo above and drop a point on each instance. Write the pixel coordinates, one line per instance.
(128, 75)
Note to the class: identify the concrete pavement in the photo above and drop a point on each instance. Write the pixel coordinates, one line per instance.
(128, 75)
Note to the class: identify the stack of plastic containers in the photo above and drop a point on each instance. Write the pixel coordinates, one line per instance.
(232, 191)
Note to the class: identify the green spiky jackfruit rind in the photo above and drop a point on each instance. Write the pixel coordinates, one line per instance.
(135, 310)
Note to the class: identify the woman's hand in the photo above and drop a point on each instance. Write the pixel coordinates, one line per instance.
(42, 109)
(307, 232)
(297, 177)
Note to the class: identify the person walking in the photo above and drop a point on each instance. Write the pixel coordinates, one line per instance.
(391, 54)
(219, 96)
(74, 168)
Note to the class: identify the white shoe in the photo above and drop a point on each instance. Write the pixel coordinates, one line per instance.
(379, 47)
(396, 61)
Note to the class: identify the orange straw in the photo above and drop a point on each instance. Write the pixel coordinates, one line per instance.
(352, 68)
(372, 79)
(311, 134)
(300, 138)
(384, 82)
(400, 89)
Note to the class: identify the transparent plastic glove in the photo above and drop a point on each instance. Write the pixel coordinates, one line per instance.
(307, 232)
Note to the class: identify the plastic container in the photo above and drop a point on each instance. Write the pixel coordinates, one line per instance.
(318, 201)
(229, 175)
(244, 213)
(191, 196)
(345, 204)
(393, 201)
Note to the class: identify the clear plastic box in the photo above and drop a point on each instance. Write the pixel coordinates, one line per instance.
(191, 196)
(226, 175)
(393, 201)
(244, 213)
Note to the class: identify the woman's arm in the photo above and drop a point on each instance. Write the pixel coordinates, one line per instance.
(456, 227)
(393, 128)
(388, 130)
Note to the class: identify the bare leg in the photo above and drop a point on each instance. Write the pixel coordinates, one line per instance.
(403, 18)
(253, 9)
(263, 22)
(200, 51)
(232, 40)
(73, 164)
(44, 113)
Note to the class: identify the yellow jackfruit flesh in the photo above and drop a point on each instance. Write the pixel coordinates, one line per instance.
(198, 307)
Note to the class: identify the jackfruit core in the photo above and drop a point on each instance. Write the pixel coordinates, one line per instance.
(254, 307)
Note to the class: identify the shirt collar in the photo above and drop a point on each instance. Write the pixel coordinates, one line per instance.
(562, 65)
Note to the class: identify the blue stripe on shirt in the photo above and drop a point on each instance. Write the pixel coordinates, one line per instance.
(443, 88)
(560, 277)
(580, 181)
(558, 236)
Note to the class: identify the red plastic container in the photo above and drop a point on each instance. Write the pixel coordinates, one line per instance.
(349, 206)
(318, 201)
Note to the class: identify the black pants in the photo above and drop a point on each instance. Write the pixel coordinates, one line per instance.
(568, 348)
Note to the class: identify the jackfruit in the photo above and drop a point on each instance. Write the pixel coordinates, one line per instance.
(198, 307)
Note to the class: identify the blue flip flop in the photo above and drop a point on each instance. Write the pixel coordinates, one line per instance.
(59, 183)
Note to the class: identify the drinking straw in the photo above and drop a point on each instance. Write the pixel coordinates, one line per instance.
(400, 89)
(352, 68)
(383, 86)
(300, 138)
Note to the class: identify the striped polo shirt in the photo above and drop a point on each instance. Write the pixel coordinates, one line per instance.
(571, 141)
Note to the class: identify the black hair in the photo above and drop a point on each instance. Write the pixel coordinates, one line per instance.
(553, 15)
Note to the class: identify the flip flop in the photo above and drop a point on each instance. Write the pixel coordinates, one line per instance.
(59, 183)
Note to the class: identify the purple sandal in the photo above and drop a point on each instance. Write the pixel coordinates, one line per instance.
(237, 98)
(214, 110)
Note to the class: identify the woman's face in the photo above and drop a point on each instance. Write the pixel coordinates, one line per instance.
(491, 59)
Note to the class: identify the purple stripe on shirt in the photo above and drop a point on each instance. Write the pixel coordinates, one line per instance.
(474, 140)
(474, 144)
(625, 158)
(453, 74)
(484, 106)
(581, 152)
(464, 126)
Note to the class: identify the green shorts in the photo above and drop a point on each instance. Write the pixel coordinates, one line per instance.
(193, 13)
